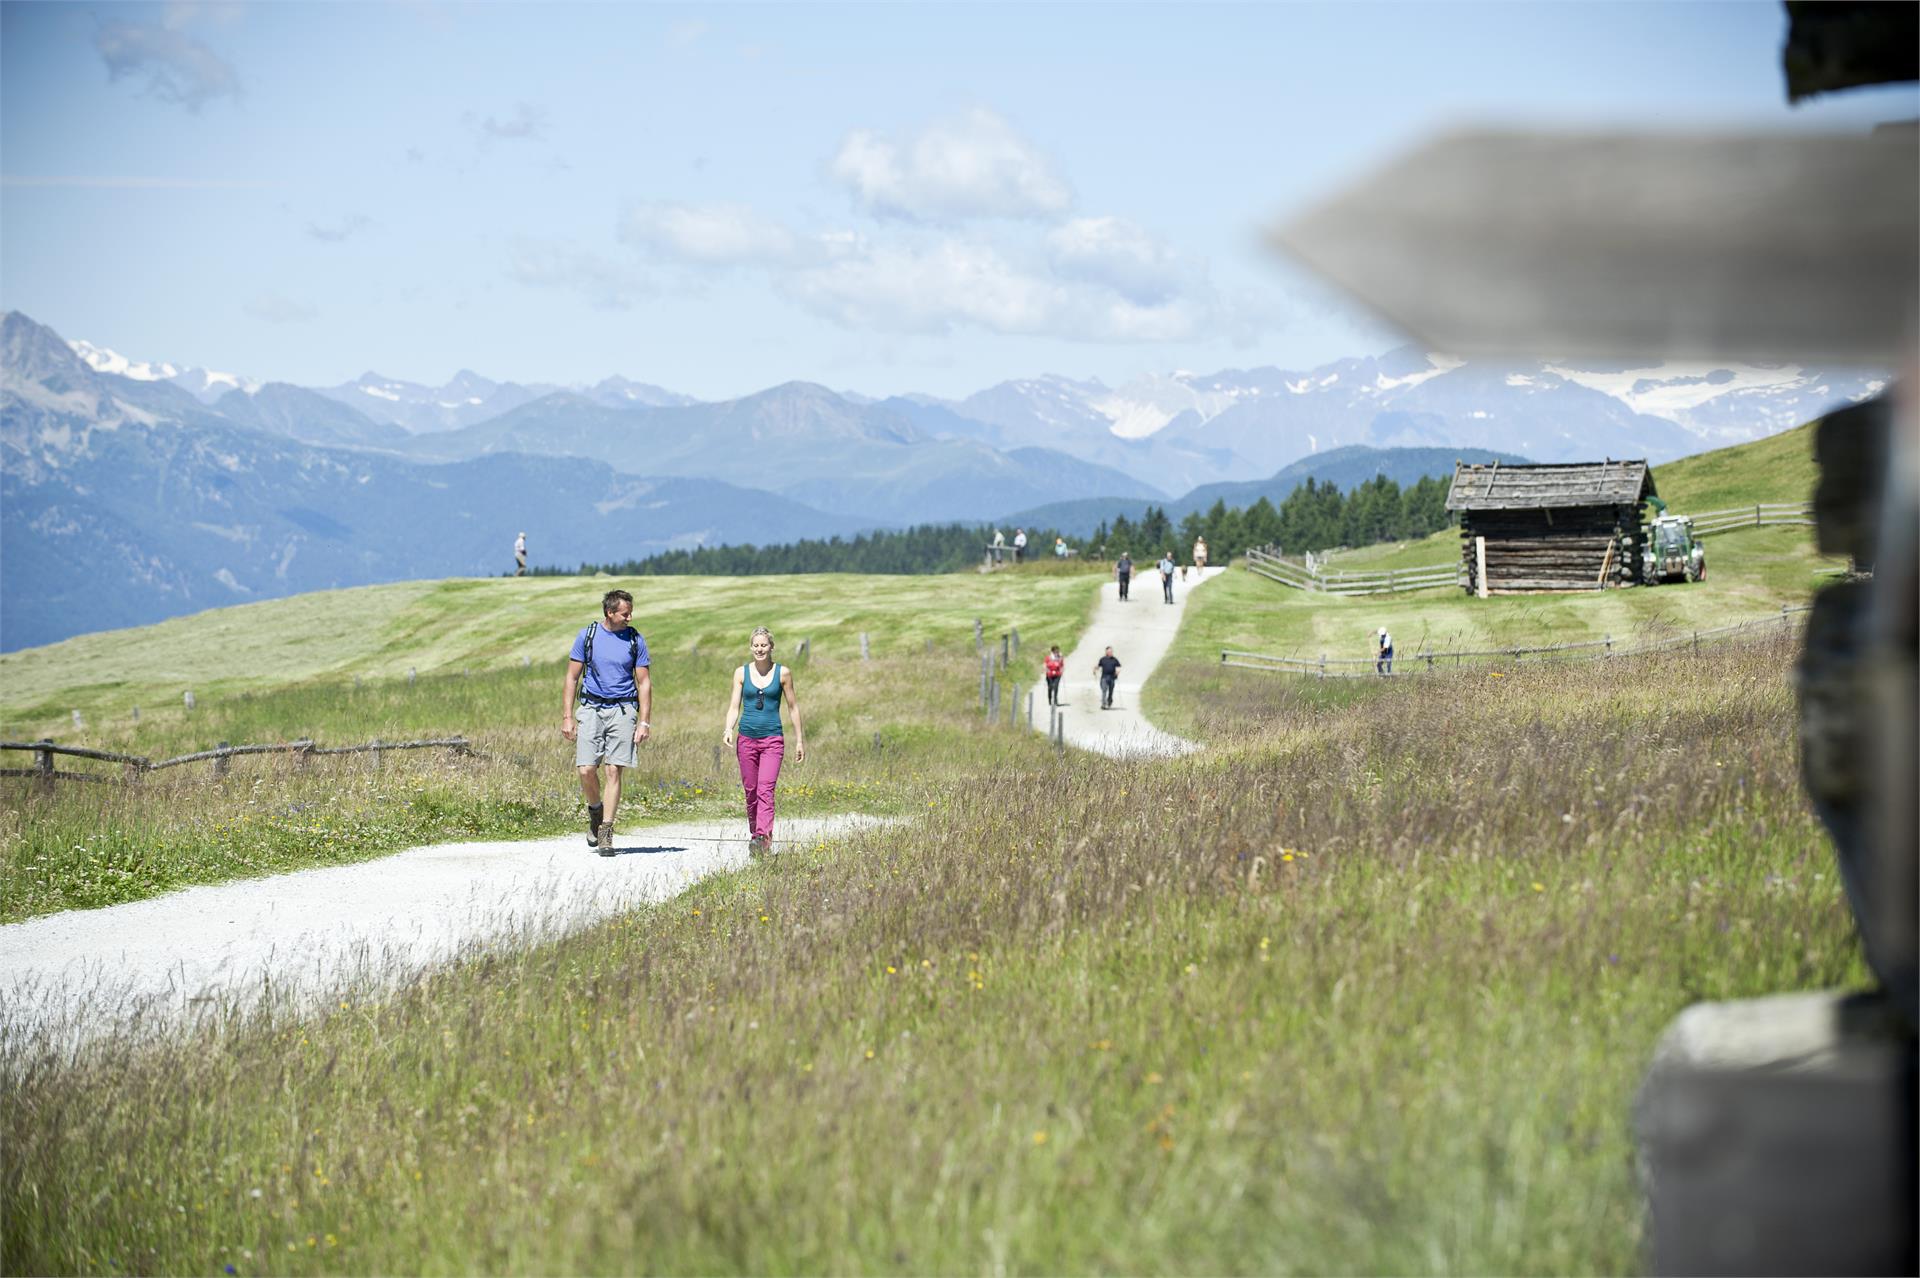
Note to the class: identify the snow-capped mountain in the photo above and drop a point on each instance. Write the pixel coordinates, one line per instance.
(203, 384)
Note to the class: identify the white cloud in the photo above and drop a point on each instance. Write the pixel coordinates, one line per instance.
(975, 165)
(606, 284)
(1120, 255)
(710, 234)
(528, 123)
(957, 283)
(177, 68)
(272, 308)
(345, 229)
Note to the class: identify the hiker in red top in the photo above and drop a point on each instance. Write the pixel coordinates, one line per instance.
(1055, 663)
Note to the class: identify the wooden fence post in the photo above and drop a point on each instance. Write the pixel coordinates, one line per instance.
(1480, 561)
(864, 654)
(1003, 652)
(375, 752)
(1608, 640)
(979, 640)
(222, 762)
(43, 762)
(1323, 665)
(1016, 643)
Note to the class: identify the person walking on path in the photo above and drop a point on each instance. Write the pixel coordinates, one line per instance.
(520, 555)
(1383, 659)
(1166, 575)
(1123, 570)
(1200, 554)
(1053, 665)
(753, 729)
(1019, 545)
(1109, 671)
(609, 671)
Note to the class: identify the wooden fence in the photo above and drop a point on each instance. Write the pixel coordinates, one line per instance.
(134, 766)
(1754, 516)
(1424, 662)
(1318, 579)
(1288, 573)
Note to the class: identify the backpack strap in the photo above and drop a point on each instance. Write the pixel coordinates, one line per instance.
(587, 652)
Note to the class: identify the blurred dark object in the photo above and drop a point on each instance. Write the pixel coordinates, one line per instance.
(1754, 247)
(1777, 1135)
(1833, 46)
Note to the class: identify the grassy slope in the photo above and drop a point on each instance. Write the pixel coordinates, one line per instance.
(1751, 573)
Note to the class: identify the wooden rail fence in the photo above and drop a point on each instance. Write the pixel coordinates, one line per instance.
(1320, 580)
(134, 766)
(1422, 662)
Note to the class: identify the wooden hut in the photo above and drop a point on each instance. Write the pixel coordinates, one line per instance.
(1551, 527)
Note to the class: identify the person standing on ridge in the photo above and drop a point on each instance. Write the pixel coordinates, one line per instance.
(520, 555)
(1383, 658)
(1059, 547)
(753, 729)
(1108, 668)
(1200, 555)
(609, 670)
(1166, 574)
(1123, 571)
(1052, 666)
(1019, 545)
(999, 546)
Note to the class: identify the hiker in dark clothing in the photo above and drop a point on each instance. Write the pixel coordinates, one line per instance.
(1124, 571)
(1108, 668)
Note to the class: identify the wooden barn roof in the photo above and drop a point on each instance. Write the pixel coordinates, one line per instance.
(1504, 487)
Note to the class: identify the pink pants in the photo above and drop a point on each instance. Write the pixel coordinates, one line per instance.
(759, 773)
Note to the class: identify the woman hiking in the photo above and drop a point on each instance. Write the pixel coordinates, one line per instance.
(753, 729)
(1053, 665)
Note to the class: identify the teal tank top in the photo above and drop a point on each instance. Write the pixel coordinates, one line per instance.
(759, 708)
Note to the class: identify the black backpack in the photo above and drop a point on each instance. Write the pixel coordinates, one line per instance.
(633, 646)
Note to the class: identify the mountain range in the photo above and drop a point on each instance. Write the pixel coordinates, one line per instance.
(177, 488)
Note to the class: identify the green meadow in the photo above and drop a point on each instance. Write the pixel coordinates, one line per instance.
(1367, 986)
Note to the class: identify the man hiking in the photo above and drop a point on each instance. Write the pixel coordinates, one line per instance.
(1108, 668)
(520, 555)
(608, 672)
(1123, 570)
(1383, 657)
(1166, 574)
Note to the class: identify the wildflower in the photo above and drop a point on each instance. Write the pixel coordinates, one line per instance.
(1039, 1138)
(890, 969)
(1154, 1078)
(1539, 887)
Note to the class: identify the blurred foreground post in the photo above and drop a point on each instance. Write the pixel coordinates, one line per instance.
(1777, 1135)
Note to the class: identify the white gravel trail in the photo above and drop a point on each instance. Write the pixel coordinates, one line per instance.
(308, 934)
(1140, 629)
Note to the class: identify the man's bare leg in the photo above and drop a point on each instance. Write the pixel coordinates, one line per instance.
(612, 791)
(590, 784)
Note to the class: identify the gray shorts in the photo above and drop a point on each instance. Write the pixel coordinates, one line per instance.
(604, 733)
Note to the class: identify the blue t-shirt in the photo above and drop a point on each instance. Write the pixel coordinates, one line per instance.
(616, 654)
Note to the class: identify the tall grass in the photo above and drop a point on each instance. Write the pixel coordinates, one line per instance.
(1366, 988)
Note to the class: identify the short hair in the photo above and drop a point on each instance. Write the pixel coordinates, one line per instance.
(613, 597)
(758, 631)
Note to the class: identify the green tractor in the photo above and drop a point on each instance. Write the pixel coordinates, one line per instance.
(1670, 551)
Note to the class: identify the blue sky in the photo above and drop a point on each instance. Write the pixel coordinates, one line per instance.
(720, 198)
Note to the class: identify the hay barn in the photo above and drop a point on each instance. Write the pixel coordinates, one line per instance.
(1550, 527)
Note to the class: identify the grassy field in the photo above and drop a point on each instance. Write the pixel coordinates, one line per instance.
(877, 728)
(1367, 988)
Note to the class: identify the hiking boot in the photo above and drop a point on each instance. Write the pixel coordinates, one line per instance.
(604, 841)
(759, 845)
(593, 825)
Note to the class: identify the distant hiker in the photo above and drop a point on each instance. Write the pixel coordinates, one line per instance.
(1166, 574)
(753, 729)
(520, 555)
(615, 698)
(1108, 668)
(1200, 554)
(1383, 661)
(1123, 570)
(1019, 545)
(999, 547)
(1053, 665)
(1059, 547)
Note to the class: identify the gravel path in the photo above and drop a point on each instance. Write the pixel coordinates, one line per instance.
(1140, 630)
(305, 935)
(308, 933)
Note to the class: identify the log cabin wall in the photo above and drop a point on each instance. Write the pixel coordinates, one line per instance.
(1552, 549)
(1557, 526)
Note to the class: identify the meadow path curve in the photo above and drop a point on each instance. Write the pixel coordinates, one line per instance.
(312, 933)
(1139, 629)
